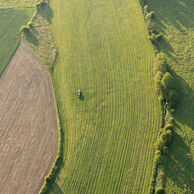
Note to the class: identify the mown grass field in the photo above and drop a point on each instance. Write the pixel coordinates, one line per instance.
(11, 20)
(109, 134)
(175, 21)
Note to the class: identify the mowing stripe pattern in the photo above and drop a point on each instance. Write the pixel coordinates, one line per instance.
(110, 133)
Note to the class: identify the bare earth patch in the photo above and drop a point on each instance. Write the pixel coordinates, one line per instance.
(28, 125)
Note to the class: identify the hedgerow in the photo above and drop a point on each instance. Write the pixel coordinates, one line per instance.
(50, 178)
(168, 97)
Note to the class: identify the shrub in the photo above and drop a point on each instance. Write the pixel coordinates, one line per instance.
(149, 15)
(142, 2)
(158, 76)
(155, 38)
(167, 137)
(160, 63)
(160, 89)
(160, 190)
(29, 24)
(168, 126)
(158, 157)
(41, 4)
(160, 145)
(150, 26)
(167, 81)
(25, 29)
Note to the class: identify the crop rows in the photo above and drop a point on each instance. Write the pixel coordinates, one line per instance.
(109, 135)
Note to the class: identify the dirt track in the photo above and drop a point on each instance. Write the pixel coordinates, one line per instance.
(28, 126)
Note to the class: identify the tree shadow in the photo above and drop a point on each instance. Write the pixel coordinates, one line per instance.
(185, 108)
(56, 189)
(31, 37)
(178, 164)
(177, 13)
(46, 12)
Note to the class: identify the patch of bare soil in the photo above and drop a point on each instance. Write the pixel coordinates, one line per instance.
(28, 125)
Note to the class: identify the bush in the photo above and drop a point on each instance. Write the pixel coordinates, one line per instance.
(149, 15)
(168, 82)
(142, 2)
(169, 127)
(160, 89)
(160, 63)
(145, 9)
(150, 26)
(29, 24)
(160, 190)
(40, 4)
(160, 145)
(158, 76)
(25, 29)
(158, 157)
(155, 38)
(167, 137)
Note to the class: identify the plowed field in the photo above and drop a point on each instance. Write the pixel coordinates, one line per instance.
(28, 126)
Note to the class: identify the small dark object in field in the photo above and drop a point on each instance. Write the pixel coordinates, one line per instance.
(79, 93)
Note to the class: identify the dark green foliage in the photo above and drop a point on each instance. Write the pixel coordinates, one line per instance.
(150, 26)
(29, 24)
(142, 2)
(25, 29)
(167, 137)
(168, 82)
(168, 126)
(160, 190)
(40, 4)
(158, 76)
(158, 157)
(160, 89)
(155, 38)
(160, 63)
(149, 15)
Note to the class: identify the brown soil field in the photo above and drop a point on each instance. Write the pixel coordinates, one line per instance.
(28, 124)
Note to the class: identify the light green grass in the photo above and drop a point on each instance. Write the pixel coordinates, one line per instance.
(10, 21)
(175, 20)
(109, 135)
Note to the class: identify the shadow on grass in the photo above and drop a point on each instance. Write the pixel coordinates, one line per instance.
(179, 166)
(31, 37)
(185, 107)
(46, 12)
(57, 189)
(179, 13)
(176, 13)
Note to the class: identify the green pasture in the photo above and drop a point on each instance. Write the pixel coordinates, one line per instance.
(109, 134)
(11, 20)
(175, 21)
(17, 3)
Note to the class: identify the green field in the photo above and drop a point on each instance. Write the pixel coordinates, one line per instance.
(11, 20)
(17, 3)
(175, 20)
(109, 134)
